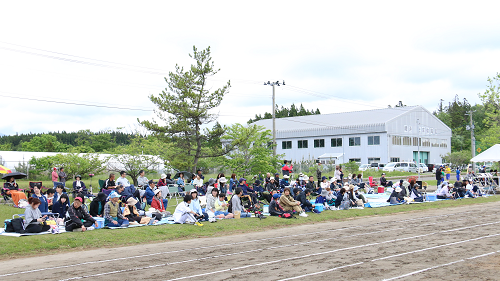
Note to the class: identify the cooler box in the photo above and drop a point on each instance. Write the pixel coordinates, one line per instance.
(100, 222)
(381, 189)
(265, 209)
(319, 207)
(431, 197)
(312, 201)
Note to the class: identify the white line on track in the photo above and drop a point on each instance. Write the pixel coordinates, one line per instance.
(226, 244)
(438, 266)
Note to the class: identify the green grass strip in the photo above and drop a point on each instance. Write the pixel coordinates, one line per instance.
(17, 247)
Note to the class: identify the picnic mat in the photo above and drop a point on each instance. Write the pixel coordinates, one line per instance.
(15, 234)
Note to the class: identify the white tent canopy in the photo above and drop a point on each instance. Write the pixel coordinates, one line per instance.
(491, 154)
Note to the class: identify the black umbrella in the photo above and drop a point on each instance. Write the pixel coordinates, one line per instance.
(187, 175)
(16, 175)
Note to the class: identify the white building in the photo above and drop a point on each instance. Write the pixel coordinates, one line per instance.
(370, 136)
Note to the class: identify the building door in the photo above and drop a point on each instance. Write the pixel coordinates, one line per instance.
(424, 157)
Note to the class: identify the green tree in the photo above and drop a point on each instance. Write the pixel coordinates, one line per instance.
(458, 158)
(73, 163)
(97, 141)
(44, 143)
(252, 153)
(350, 168)
(6, 147)
(184, 107)
(491, 103)
(141, 154)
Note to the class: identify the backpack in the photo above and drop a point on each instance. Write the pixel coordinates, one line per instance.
(287, 216)
(15, 225)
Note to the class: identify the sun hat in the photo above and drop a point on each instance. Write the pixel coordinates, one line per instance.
(323, 178)
(242, 180)
(276, 195)
(286, 177)
(157, 191)
(211, 181)
(55, 168)
(131, 201)
(450, 185)
(78, 176)
(356, 187)
(301, 175)
(193, 191)
(163, 176)
(271, 179)
(79, 199)
(398, 189)
(383, 174)
(406, 184)
(223, 180)
(114, 195)
(351, 186)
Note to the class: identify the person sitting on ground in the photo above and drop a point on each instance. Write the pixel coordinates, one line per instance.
(396, 196)
(78, 219)
(384, 182)
(61, 206)
(34, 222)
(359, 195)
(465, 191)
(97, 205)
(142, 181)
(446, 192)
(324, 183)
(289, 204)
(249, 192)
(131, 213)
(221, 208)
(149, 194)
(210, 185)
(416, 195)
(405, 188)
(237, 208)
(183, 214)
(109, 184)
(222, 185)
(274, 207)
(113, 216)
(327, 193)
(472, 189)
(211, 198)
(79, 186)
(352, 196)
(304, 202)
(340, 196)
(157, 204)
(60, 190)
(195, 204)
(311, 185)
(198, 182)
(271, 186)
(284, 182)
(260, 192)
(354, 180)
(37, 193)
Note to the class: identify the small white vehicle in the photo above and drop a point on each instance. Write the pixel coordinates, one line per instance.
(364, 167)
(400, 166)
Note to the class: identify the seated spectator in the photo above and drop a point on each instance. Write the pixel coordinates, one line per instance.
(396, 196)
(13, 191)
(222, 185)
(271, 185)
(289, 204)
(183, 214)
(277, 181)
(180, 182)
(359, 195)
(211, 198)
(354, 180)
(324, 184)
(122, 180)
(384, 182)
(34, 222)
(237, 208)
(341, 196)
(221, 207)
(304, 203)
(142, 181)
(61, 206)
(198, 182)
(79, 186)
(162, 181)
(50, 197)
(405, 188)
(260, 192)
(149, 194)
(248, 192)
(352, 197)
(78, 219)
(311, 185)
(472, 189)
(113, 216)
(60, 190)
(43, 205)
(97, 205)
(168, 179)
(158, 206)
(274, 207)
(284, 182)
(109, 184)
(131, 213)
(295, 192)
(415, 194)
(329, 197)
(446, 192)
(195, 204)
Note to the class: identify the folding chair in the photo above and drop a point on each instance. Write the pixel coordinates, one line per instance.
(173, 192)
(32, 185)
(188, 187)
(101, 185)
(4, 193)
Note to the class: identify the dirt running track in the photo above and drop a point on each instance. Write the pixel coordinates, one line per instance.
(450, 244)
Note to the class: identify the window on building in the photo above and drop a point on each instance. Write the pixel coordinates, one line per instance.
(319, 143)
(373, 140)
(426, 142)
(355, 141)
(286, 144)
(302, 144)
(406, 141)
(394, 159)
(357, 160)
(416, 140)
(373, 160)
(396, 140)
(337, 142)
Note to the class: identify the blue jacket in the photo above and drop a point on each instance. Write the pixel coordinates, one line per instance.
(149, 195)
(246, 189)
(258, 188)
(44, 206)
(60, 208)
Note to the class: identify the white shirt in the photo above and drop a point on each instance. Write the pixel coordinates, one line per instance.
(122, 181)
(469, 186)
(197, 182)
(181, 210)
(337, 174)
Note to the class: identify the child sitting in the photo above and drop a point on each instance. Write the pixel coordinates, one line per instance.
(221, 208)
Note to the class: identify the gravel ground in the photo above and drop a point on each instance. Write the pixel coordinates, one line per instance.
(449, 244)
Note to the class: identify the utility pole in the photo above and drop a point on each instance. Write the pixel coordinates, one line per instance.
(274, 111)
(418, 145)
(472, 139)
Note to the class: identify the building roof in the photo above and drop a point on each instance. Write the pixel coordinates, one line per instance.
(343, 119)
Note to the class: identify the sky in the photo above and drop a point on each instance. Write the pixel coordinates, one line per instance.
(337, 56)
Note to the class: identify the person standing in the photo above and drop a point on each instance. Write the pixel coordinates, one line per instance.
(448, 173)
(286, 169)
(438, 176)
(55, 176)
(458, 173)
(62, 176)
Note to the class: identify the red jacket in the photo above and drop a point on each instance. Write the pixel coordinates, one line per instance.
(287, 168)
(157, 204)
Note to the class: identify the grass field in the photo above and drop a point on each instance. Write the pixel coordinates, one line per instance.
(13, 247)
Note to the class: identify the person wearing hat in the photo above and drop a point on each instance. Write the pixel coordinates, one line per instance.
(415, 194)
(210, 185)
(113, 216)
(396, 196)
(149, 194)
(270, 186)
(131, 213)
(284, 182)
(446, 192)
(195, 204)
(274, 207)
(79, 186)
(221, 185)
(78, 219)
(261, 193)
(55, 176)
(162, 180)
(277, 180)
